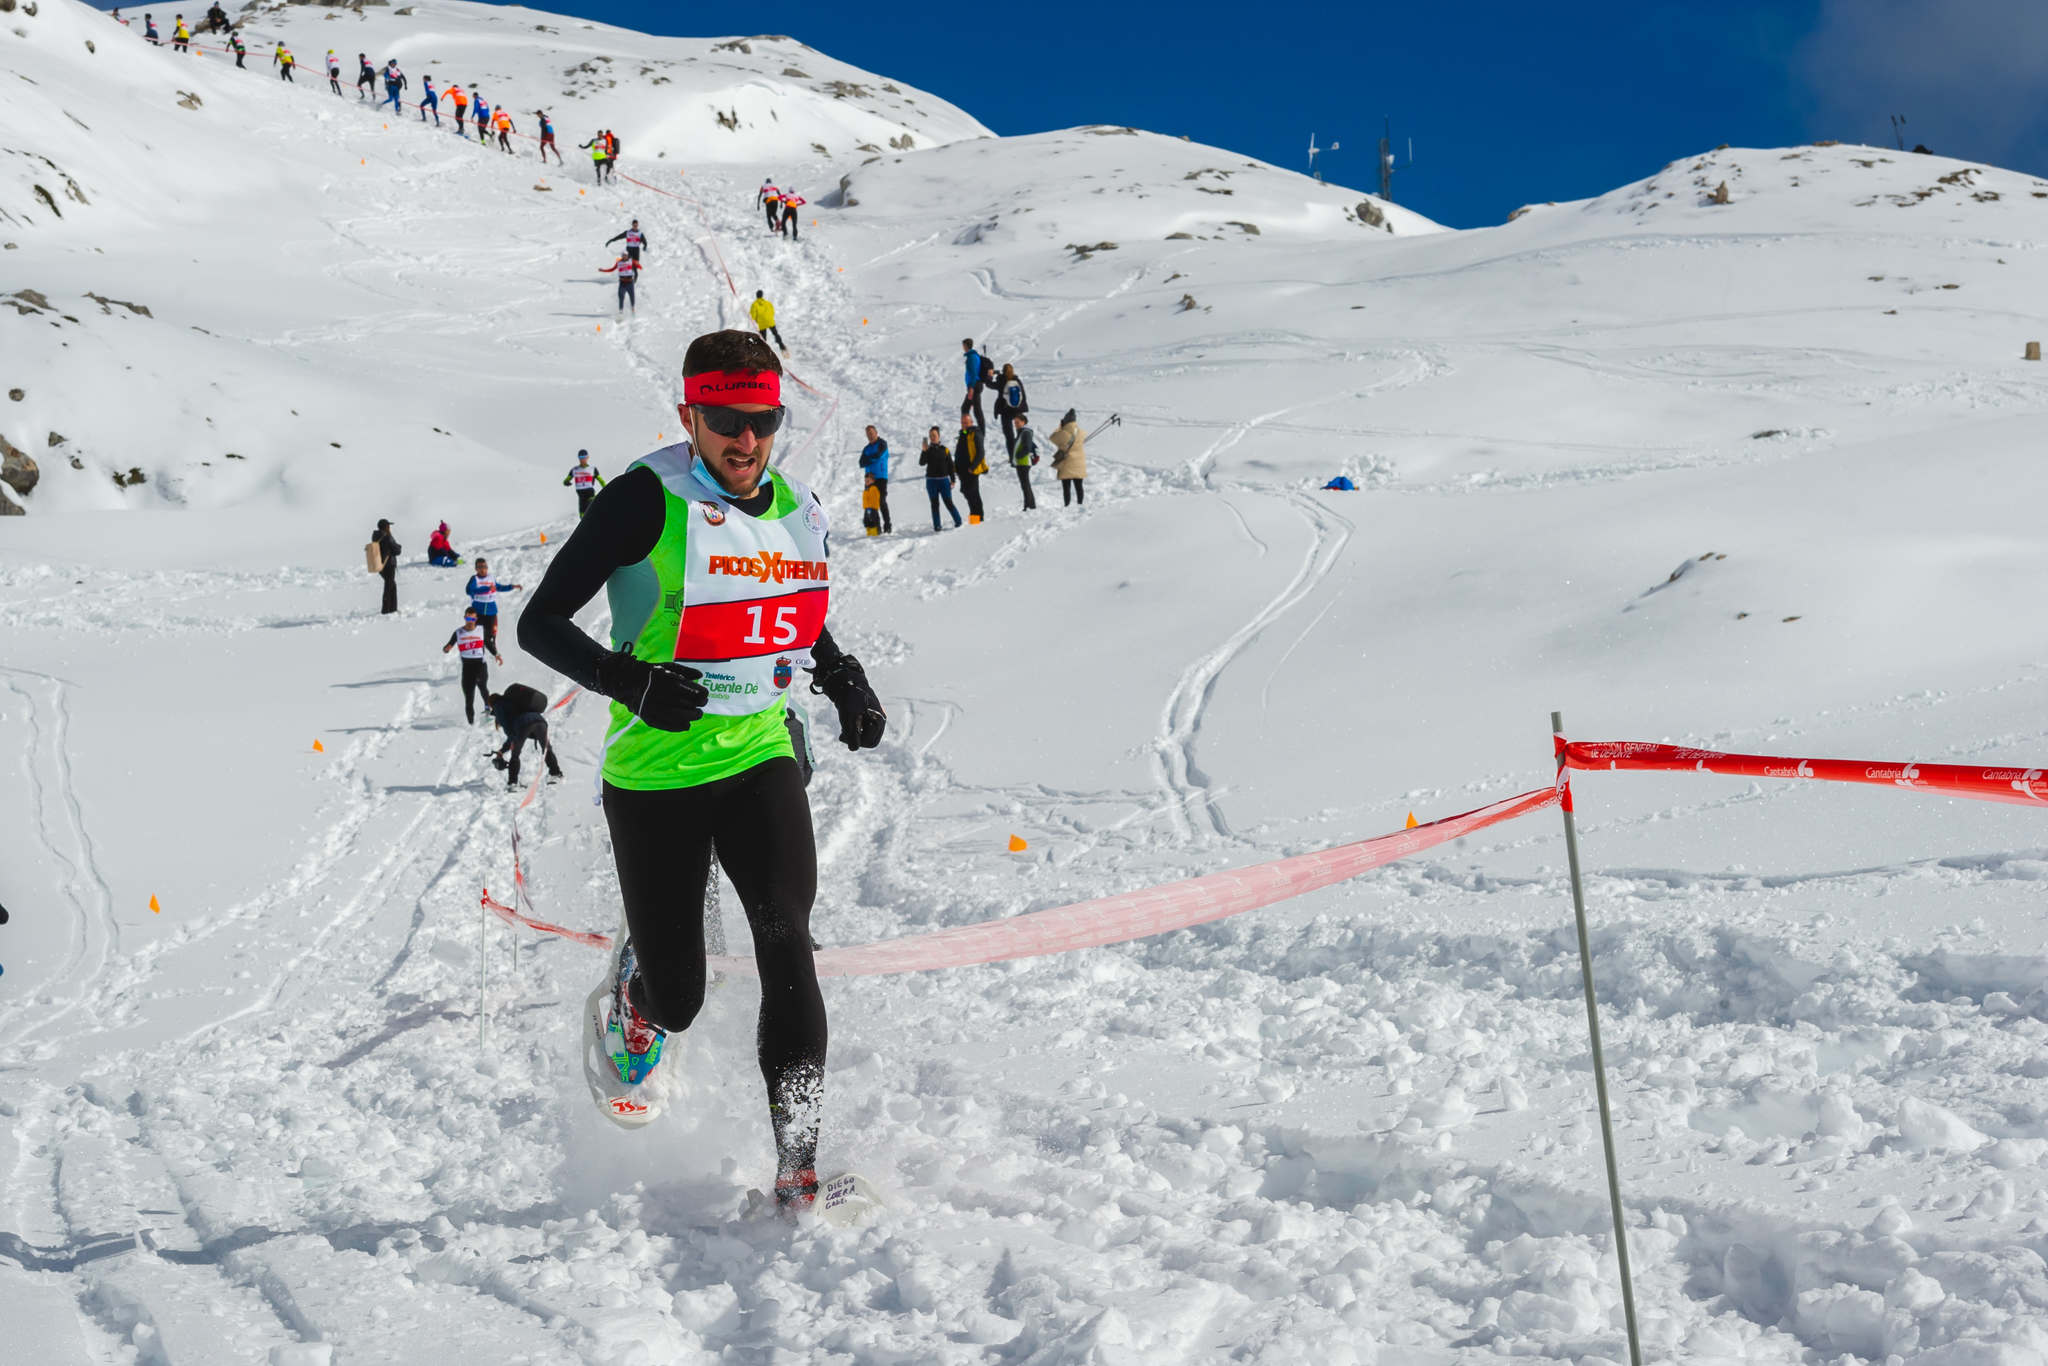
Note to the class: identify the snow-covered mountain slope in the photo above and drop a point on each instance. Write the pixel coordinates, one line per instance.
(1685, 471)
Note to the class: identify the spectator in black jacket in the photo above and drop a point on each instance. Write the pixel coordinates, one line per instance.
(389, 549)
(938, 477)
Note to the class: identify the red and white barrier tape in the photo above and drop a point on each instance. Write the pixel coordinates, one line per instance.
(522, 913)
(1978, 782)
(1154, 910)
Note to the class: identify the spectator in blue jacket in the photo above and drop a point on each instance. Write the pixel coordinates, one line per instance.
(874, 463)
(972, 403)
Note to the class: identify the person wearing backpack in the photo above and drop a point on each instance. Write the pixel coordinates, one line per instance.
(1011, 404)
(970, 462)
(1024, 454)
(383, 560)
(938, 477)
(521, 712)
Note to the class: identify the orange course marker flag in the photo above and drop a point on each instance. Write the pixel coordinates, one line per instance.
(319, 748)
(543, 538)
(1017, 844)
(153, 907)
(1412, 822)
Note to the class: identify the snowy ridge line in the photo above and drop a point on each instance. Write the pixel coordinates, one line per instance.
(2018, 785)
(1154, 910)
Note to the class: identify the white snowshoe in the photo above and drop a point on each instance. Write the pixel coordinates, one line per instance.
(630, 1089)
(843, 1201)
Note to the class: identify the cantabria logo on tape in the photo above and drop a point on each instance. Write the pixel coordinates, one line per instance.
(785, 670)
(714, 515)
(769, 567)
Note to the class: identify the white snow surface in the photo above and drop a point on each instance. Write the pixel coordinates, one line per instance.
(1761, 475)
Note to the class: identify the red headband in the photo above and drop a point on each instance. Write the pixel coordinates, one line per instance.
(718, 388)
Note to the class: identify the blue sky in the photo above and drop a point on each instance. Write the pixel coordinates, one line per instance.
(1507, 103)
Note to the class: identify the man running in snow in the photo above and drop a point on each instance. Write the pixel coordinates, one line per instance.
(149, 30)
(483, 592)
(235, 42)
(763, 314)
(366, 76)
(599, 151)
(502, 121)
(636, 240)
(461, 98)
(333, 72)
(521, 712)
(628, 269)
(476, 675)
(429, 99)
(181, 37)
(791, 202)
(698, 757)
(585, 479)
(394, 81)
(771, 202)
(483, 119)
(284, 61)
(547, 137)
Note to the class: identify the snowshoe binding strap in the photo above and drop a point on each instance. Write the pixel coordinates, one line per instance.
(796, 1190)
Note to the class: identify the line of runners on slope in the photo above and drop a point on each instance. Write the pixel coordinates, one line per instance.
(489, 122)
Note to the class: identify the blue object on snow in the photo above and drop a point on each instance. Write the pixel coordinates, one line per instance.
(1343, 483)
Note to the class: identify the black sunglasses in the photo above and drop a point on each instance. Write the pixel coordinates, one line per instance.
(731, 421)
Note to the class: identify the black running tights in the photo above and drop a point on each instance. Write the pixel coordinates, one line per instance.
(759, 822)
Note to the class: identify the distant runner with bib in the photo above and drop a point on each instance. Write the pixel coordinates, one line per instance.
(469, 641)
(584, 478)
(716, 569)
(483, 589)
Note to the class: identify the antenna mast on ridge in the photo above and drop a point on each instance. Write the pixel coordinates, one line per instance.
(1387, 167)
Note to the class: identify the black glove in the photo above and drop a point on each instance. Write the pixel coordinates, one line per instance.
(666, 696)
(861, 718)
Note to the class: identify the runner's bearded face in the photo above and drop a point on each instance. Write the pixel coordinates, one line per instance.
(737, 462)
(738, 455)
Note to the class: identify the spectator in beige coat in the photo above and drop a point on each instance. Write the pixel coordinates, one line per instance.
(1071, 462)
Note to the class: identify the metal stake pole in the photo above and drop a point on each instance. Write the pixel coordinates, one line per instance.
(483, 967)
(1571, 847)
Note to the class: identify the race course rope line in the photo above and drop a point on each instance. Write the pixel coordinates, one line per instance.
(1154, 910)
(1978, 782)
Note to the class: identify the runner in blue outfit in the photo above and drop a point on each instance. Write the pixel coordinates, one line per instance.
(394, 81)
(430, 98)
(483, 591)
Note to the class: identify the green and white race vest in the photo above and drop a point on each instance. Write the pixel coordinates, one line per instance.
(740, 598)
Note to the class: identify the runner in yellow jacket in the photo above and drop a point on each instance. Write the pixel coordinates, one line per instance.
(763, 314)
